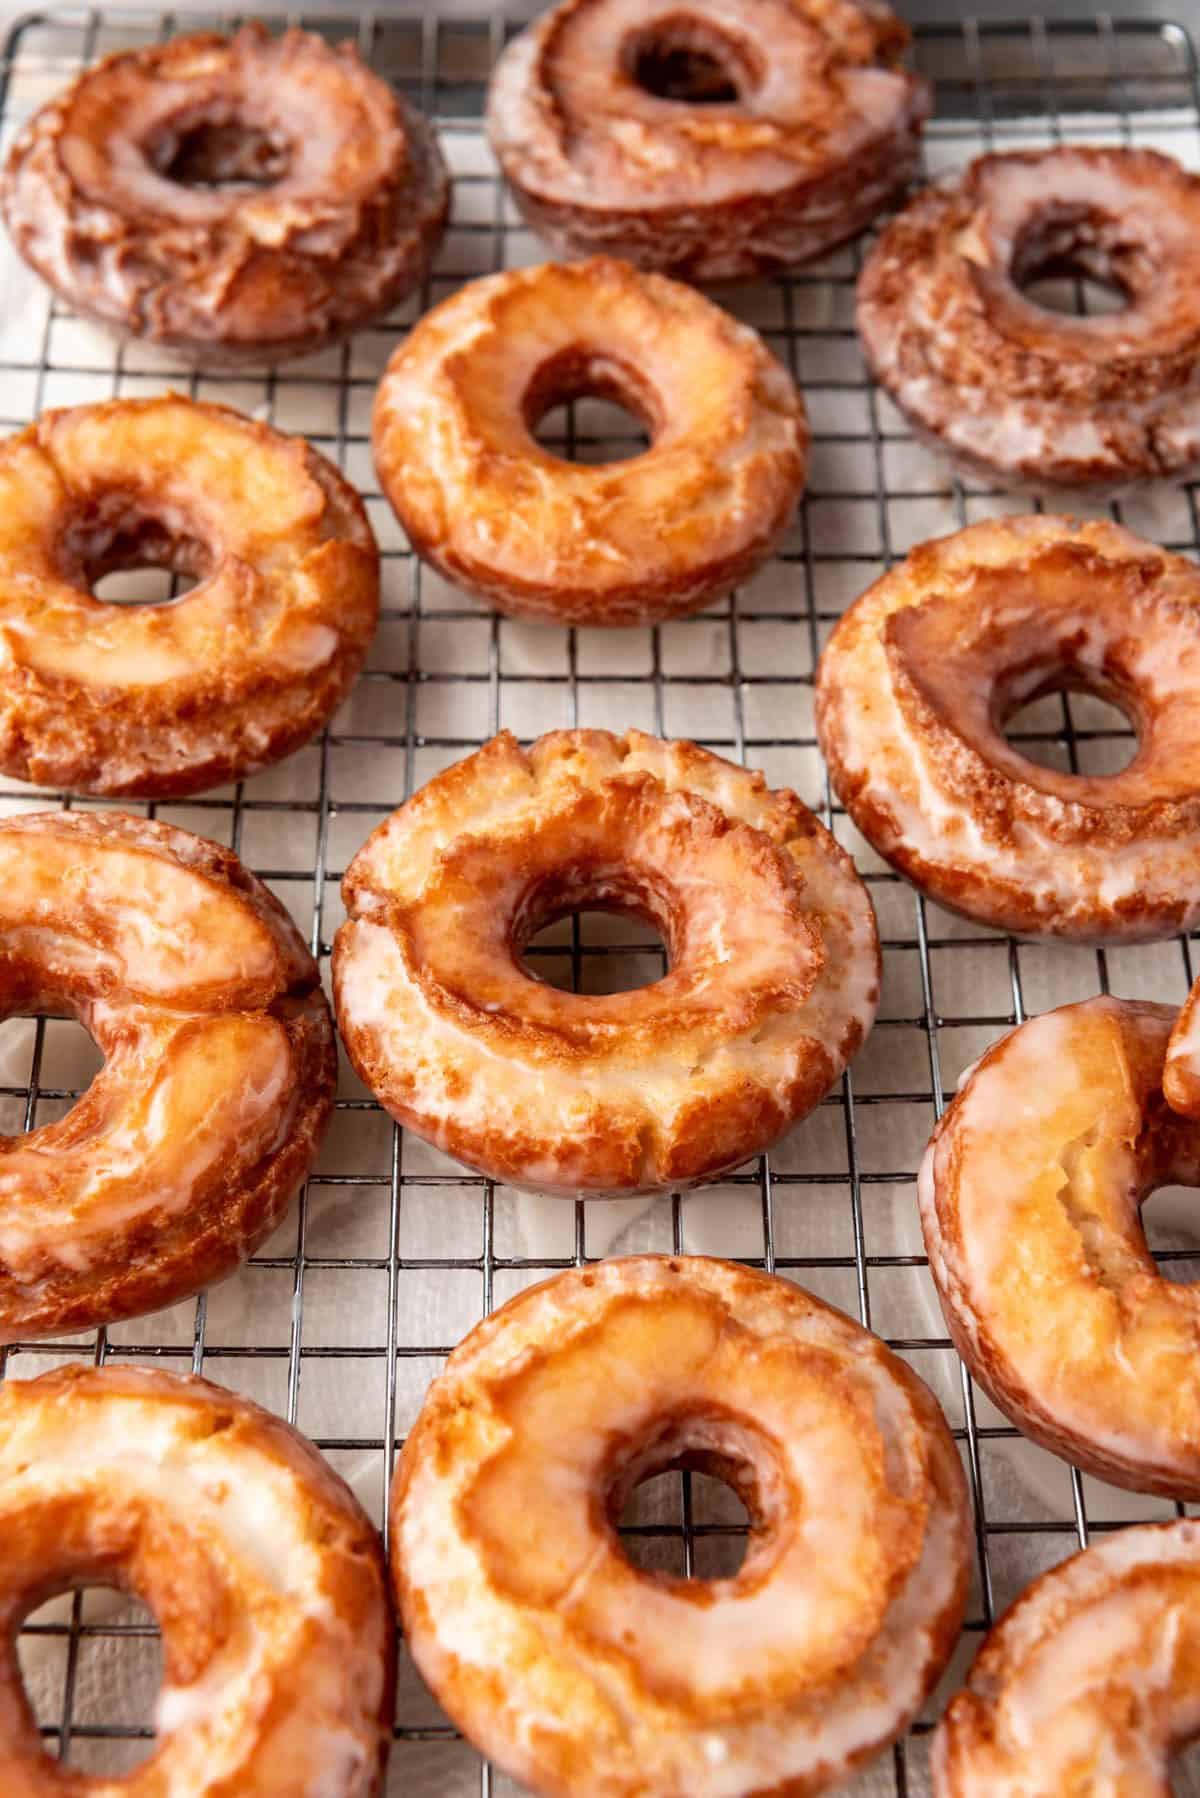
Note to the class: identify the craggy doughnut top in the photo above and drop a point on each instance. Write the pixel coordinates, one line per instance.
(916, 684)
(244, 198)
(1090, 1683)
(811, 125)
(614, 543)
(576, 1670)
(1030, 1193)
(266, 1576)
(773, 982)
(188, 1146)
(1030, 395)
(180, 696)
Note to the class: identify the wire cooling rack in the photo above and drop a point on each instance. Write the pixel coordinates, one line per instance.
(393, 1252)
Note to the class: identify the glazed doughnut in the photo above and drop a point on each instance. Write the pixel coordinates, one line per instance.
(187, 1148)
(266, 1576)
(616, 543)
(1011, 390)
(173, 698)
(920, 676)
(238, 199)
(773, 982)
(1090, 1683)
(1181, 1073)
(576, 1671)
(1029, 1194)
(711, 139)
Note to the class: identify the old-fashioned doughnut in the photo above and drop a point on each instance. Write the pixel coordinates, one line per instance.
(239, 199)
(773, 981)
(174, 697)
(921, 675)
(190, 1143)
(575, 1670)
(615, 543)
(1014, 391)
(1030, 1193)
(265, 1574)
(710, 139)
(1090, 1683)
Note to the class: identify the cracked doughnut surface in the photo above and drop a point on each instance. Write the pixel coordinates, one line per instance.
(773, 981)
(267, 1578)
(1025, 395)
(807, 126)
(619, 543)
(577, 1671)
(1090, 1683)
(189, 1145)
(919, 678)
(1030, 1194)
(176, 697)
(240, 199)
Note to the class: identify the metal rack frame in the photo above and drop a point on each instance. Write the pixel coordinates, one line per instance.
(1003, 83)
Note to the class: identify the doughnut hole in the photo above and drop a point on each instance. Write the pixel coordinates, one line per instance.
(59, 1071)
(1184, 1771)
(125, 555)
(219, 153)
(1171, 1224)
(583, 937)
(690, 61)
(118, 1670)
(1070, 260)
(679, 1495)
(620, 418)
(1098, 723)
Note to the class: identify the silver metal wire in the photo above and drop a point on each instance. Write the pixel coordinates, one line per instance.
(393, 1252)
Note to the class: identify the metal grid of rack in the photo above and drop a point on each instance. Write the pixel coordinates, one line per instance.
(392, 1252)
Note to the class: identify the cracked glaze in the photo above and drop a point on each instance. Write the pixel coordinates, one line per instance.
(189, 1145)
(773, 982)
(184, 695)
(1030, 1193)
(1090, 1683)
(825, 128)
(920, 676)
(620, 543)
(1025, 395)
(315, 204)
(265, 1575)
(577, 1671)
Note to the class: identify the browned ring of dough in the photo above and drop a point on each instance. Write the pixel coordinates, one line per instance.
(1027, 396)
(189, 1145)
(177, 697)
(613, 543)
(339, 194)
(825, 127)
(577, 1671)
(917, 682)
(264, 1572)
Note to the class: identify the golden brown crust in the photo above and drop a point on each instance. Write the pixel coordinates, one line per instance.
(267, 1579)
(575, 1670)
(187, 1148)
(1050, 1292)
(916, 683)
(106, 193)
(611, 544)
(1014, 391)
(774, 963)
(1090, 1683)
(173, 698)
(825, 127)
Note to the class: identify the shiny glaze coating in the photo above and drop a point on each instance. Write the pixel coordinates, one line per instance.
(618, 543)
(1030, 1193)
(1027, 396)
(773, 982)
(267, 1578)
(824, 129)
(1090, 1683)
(577, 1671)
(239, 199)
(185, 1151)
(921, 675)
(177, 697)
